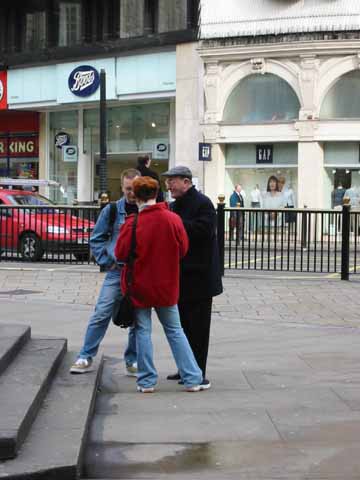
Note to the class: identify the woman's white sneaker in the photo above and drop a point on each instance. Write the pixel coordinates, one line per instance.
(82, 365)
(146, 389)
(204, 385)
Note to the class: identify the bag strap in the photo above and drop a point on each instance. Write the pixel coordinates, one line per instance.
(112, 215)
(132, 254)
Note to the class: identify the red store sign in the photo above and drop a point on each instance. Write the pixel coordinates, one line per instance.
(3, 90)
(15, 147)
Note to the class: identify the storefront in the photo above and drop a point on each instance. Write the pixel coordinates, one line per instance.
(252, 165)
(19, 144)
(140, 118)
(271, 82)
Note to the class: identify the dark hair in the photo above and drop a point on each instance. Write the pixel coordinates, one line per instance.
(130, 173)
(274, 179)
(142, 161)
(145, 188)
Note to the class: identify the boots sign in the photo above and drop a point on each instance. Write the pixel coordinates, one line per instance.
(19, 147)
(84, 81)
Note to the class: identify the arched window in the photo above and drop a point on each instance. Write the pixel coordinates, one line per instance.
(262, 99)
(343, 99)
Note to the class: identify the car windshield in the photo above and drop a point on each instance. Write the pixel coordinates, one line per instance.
(33, 200)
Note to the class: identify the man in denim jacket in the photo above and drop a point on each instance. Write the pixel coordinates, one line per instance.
(102, 242)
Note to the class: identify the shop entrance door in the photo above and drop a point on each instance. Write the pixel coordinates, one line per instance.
(342, 177)
(117, 163)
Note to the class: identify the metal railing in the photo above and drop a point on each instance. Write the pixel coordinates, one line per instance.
(292, 240)
(46, 233)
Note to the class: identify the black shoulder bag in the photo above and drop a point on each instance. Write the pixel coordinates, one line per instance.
(123, 314)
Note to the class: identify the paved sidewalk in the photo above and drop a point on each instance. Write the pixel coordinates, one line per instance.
(284, 362)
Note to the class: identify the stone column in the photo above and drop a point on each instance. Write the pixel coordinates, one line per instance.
(84, 170)
(188, 107)
(43, 134)
(172, 134)
(308, 80)
(44, 151)
(310, 175)
(215, 173)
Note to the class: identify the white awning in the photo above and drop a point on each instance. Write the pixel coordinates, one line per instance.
(230, 18)
(24, 182)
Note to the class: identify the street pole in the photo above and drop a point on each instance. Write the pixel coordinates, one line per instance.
(221, 232)
(103, 150)
(345, 244)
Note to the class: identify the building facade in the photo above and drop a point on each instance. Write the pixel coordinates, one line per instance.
(279, 82)
(52, 54)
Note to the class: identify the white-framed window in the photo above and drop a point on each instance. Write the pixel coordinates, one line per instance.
(262, 98)
(131, 18)
(172, 15)
(69, 24)
(35, 30)
(342, 100)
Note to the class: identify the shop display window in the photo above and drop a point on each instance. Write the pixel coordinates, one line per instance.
(60, 169)
(262, 99)
(250, 178)
(342, 100)
(132, 131)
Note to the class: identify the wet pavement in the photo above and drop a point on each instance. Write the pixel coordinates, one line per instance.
(284, 364)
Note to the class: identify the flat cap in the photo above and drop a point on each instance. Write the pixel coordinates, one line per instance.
(178, 171)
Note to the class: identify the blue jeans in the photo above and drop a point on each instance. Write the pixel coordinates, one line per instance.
(99, 320)
(183, 355)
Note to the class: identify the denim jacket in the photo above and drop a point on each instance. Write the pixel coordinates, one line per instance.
(103, 239)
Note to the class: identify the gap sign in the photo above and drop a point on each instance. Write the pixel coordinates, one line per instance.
(19, 147)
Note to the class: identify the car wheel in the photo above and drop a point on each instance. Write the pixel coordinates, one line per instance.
(82, 257)
(30, 247)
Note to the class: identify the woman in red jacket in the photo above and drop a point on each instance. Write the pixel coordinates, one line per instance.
(161, 241)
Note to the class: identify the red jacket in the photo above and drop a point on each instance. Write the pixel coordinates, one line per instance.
(161, 241)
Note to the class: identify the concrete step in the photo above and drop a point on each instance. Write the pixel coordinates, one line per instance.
(12, 339)
(23, 387)
(53, 449)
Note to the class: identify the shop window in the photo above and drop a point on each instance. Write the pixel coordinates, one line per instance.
(69, 24)
(172, 15)
(35, 30)
(342, 100)
(262, 99)
(61, 169)
(132, 130)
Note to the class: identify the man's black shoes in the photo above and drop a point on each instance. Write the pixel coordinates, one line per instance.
(174, 376)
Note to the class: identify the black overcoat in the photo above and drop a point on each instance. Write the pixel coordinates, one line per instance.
(200, 276)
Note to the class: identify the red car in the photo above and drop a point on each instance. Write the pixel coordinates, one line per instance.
(32, 225)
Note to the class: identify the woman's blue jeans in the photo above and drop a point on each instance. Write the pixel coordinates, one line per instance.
(100, 319)
(181, 350)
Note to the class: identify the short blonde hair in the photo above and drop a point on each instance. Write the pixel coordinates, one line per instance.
(130, 173)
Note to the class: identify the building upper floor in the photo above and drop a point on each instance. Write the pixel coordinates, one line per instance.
(38, 31)
(254, 18)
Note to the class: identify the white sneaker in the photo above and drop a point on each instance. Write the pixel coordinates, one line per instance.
(131, 370)
(82, 365)
(204, 385)
(146, 389)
